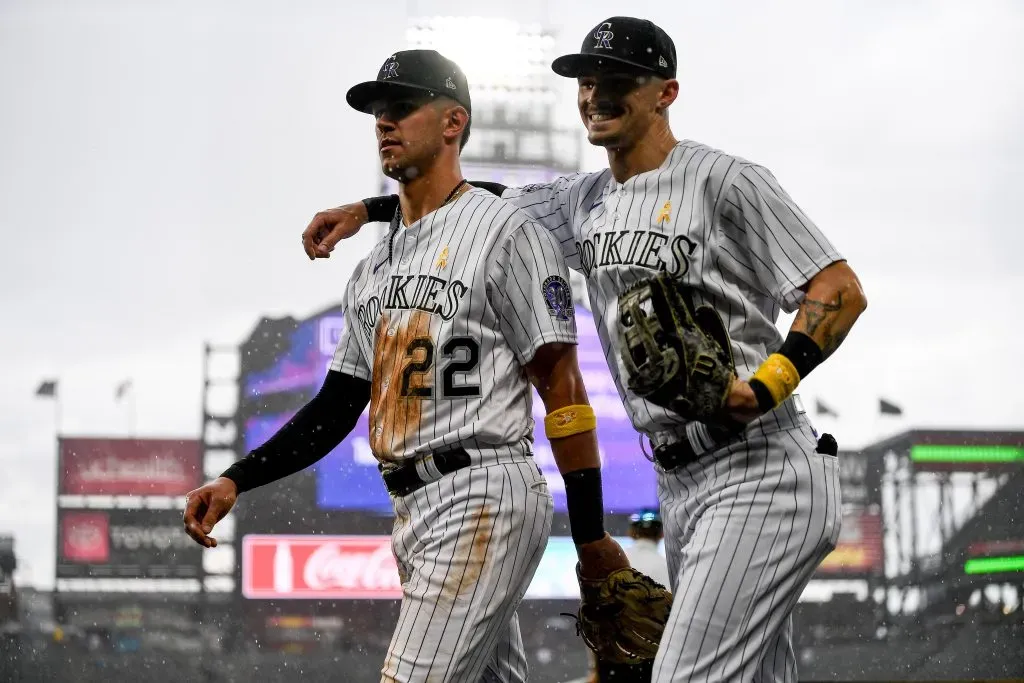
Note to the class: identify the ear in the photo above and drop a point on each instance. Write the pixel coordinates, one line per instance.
(668, 94)
(454, 121)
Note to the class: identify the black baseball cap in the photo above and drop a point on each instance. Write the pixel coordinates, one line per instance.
(412, 73)
(621, 41)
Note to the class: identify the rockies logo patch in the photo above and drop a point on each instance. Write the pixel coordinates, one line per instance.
(558, 298)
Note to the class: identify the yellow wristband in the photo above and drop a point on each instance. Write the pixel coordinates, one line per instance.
(779, 376)
(569, 420)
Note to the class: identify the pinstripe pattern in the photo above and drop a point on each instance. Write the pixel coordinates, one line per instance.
(730, 232)
(471, 542)
(745, 529)
(745, 526)
(442, 316)
(488, 295)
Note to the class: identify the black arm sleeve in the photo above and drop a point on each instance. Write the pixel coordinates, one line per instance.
(493, 188)
(315, 431)
(382, 209)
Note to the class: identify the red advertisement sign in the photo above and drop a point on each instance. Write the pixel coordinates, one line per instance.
(859, 549)
(320, 567)
(141, 467)
(85, 537)
(997, 547)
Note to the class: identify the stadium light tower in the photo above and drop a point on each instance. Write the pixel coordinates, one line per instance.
(493, 52)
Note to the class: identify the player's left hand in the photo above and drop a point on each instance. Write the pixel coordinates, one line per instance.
(741, 403)
(600, 558)
(207, 505)
(330, 226)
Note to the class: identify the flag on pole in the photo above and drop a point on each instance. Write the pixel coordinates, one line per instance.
(47, 388)
(888, 408)
(820, 408)
(122, 389)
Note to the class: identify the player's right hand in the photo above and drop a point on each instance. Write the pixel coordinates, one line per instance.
(741, 403)
(207, 505)
(330, 227)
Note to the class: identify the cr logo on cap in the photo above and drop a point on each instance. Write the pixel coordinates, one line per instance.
(604, 36)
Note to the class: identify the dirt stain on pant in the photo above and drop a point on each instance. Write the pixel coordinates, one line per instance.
(470, 554)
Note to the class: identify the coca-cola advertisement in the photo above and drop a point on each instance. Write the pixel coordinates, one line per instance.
(340, 567)
(323, 567)
(126, 544)
(129, 467)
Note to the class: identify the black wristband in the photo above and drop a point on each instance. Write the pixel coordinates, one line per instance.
(803, 352)
(381, 209)
(585, 503)
(764, 397)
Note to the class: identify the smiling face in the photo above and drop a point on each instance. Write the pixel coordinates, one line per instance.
(412, 131)
(618, 108)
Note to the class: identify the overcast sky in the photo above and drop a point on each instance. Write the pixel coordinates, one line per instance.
(158, 162)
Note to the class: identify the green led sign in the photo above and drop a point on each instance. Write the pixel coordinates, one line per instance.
(995, 565)
(967, 454)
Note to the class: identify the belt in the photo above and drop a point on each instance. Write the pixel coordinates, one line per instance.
(673, 455)
(682, 452)
(404, 479)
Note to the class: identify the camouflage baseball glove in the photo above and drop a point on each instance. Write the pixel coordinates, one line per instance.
(621, 618)
(676, 356)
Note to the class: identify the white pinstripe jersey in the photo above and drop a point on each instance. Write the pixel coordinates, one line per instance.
(721, 224)
(442, 317)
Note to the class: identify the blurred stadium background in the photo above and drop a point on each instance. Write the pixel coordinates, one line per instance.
(926, 583)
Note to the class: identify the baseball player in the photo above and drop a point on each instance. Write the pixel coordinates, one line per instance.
(448, 320)
(646, 530)
(747, 520)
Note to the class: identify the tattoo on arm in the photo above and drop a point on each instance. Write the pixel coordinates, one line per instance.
(832, 303)
(825, 322)
(833, 338)
(817, 312)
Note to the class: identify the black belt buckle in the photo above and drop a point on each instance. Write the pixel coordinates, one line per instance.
(673, 455)
(404, 479)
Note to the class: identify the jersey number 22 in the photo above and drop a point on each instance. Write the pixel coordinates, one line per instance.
(421, 361)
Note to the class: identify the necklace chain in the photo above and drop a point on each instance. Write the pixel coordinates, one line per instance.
(398, 216)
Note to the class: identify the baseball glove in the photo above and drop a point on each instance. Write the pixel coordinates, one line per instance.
(675, 356)
(621, 618)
